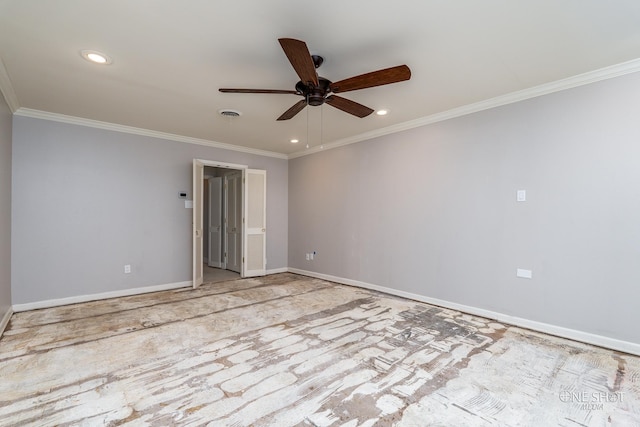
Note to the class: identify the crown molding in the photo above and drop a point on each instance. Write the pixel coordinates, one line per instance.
(44, 115)
(510, 98)
(6, 88)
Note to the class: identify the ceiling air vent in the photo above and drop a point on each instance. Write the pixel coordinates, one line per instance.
(229, 113)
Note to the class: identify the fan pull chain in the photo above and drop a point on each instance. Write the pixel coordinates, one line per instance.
(307, 127)
(321, 126)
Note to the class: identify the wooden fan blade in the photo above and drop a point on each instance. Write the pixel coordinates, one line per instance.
(297, 107)
(375, 78)
(226, 90)
(348, 106)
(300, 58)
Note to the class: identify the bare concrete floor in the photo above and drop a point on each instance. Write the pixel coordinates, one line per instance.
(214, 275)
(287, 350)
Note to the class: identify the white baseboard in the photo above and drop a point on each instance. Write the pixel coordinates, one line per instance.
(5, 320)
(114, 294)
(94, 297)
(572, 334)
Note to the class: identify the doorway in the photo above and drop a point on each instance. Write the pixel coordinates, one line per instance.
(232, 222)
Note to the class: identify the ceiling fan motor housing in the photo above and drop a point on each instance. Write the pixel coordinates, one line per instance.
(315, 95)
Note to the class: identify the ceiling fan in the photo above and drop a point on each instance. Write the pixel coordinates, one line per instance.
(318, 90)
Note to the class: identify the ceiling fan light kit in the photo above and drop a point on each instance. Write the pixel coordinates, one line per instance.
(318, 90)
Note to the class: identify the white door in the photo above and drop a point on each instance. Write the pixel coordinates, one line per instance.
(198, 176)
(215, 222)
(255, 213)
(233, 222)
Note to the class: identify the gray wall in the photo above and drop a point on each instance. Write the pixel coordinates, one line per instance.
(433, 210)
(88, 201)
(5, 208)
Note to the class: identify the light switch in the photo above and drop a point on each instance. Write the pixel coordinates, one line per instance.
(521, 196)
(188, 204)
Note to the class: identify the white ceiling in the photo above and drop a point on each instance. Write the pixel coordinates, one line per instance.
(170, 57)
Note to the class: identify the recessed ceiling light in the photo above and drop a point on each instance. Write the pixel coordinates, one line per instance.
(382, 112)
(294, 141)
(96, 57)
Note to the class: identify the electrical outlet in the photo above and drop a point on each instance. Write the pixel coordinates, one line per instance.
(308, 257)
(127, 269)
